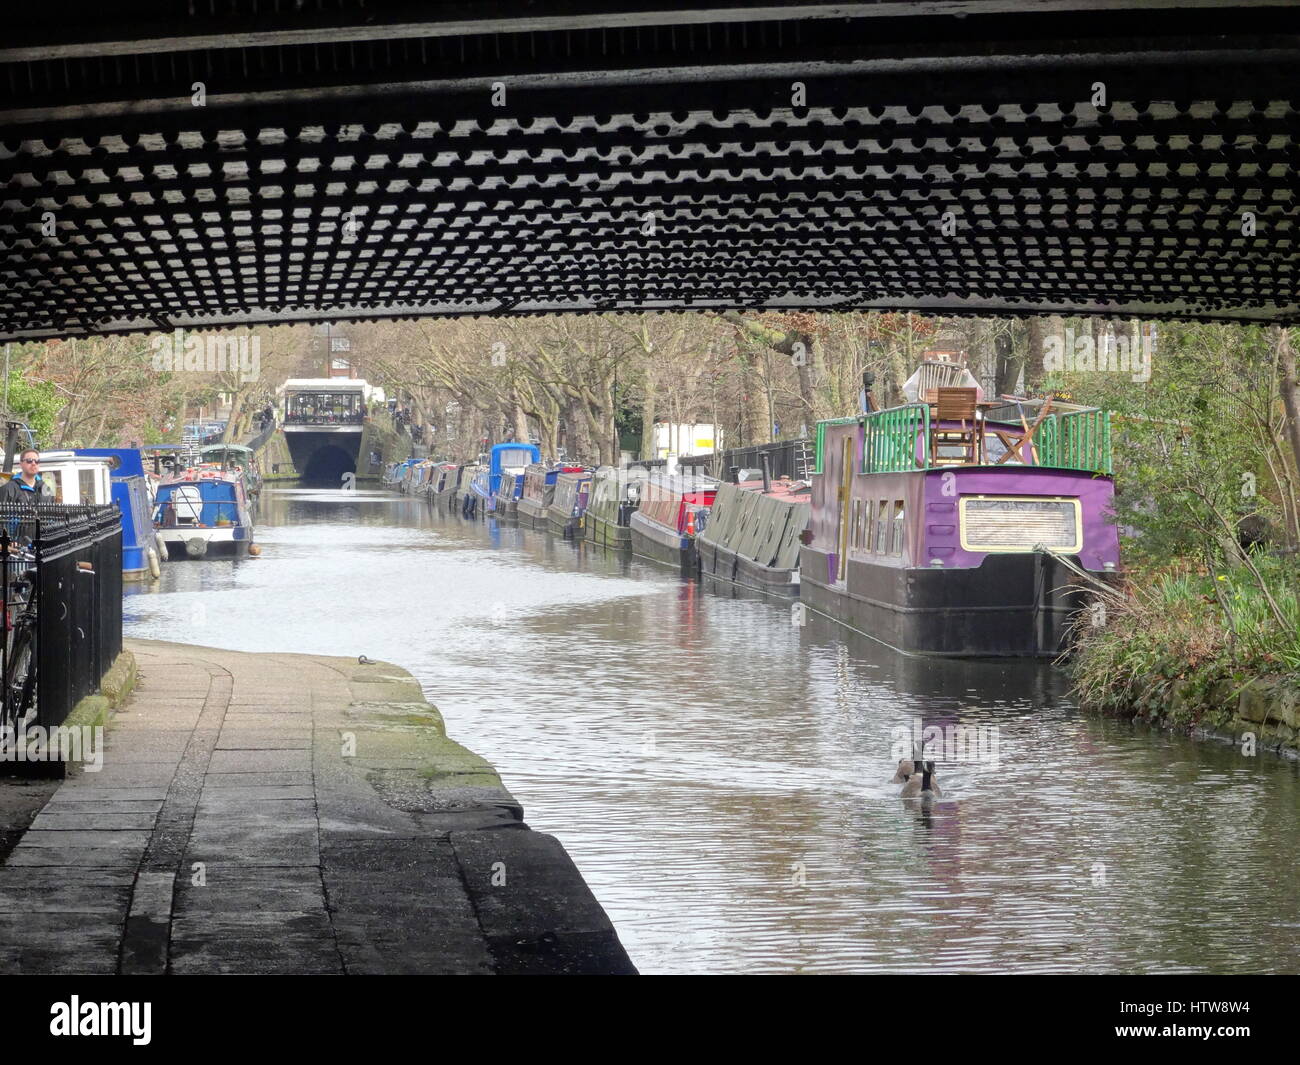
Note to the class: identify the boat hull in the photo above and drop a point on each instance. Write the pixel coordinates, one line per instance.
(722, 563)
(1010, 606)
(604, 533)
(661, 544)
(218, 543)
(531, 513)
(566, 526)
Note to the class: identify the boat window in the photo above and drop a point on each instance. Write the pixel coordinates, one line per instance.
(855, 528)
(56, 478)
(898, 528)
(867, 526)
(86, 485)
(515, 458)
(882, 528)
(186, 503)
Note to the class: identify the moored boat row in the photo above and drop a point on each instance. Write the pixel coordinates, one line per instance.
(948, 526)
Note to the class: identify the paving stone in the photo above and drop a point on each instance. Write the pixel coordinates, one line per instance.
(77, 791)
(63, 890)
(95, 818)
(271, 793)
(260, 761)
(241, 888)
(250, 780)
(263, 740)
(268, 942)
(59, 943)
(60, 805)
(83, 838)
(82, 857)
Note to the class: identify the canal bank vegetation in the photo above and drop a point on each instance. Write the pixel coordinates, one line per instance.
(1204, 631)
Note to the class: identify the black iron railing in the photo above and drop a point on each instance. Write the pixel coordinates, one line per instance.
(785, 458)
(62, 586)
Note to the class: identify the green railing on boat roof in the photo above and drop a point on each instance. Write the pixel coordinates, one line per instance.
(1071, 440)
(890, 438)
(821, 436)
(1077, 440)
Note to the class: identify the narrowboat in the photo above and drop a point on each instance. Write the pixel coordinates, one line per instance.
(944, 527)
(537, 493)
(673, 508)
(615, 495)
(238, 459)
(445, 495)
(141, 555)
(77, 478)
(203, 513)
(568, 504)
(411, 477)
(437, 480)
(465, 500)
(752, 535)
(399, 475)
(506, 507)
(395, 472)
(506, 465)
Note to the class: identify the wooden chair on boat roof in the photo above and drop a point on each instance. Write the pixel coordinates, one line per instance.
(955, 405)
(936, 375)
(1015, 443)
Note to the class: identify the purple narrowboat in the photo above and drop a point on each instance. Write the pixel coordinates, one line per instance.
(947, 535)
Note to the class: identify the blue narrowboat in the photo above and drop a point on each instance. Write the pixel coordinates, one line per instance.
(507, 464)
(141, 556)
(203, 513)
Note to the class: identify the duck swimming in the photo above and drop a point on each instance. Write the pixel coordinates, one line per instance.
(917, 783)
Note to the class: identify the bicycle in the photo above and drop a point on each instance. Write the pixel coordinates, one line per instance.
(20, 644)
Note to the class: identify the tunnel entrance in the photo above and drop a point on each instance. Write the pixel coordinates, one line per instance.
(324, 457)
(328, 464)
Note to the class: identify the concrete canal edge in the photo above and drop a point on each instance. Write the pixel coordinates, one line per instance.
(536, 911)
(1266, 709)
(291, 814)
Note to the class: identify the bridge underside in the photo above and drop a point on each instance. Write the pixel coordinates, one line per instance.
(393, 158)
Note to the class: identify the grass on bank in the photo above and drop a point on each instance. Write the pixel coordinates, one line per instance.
(1190, 638)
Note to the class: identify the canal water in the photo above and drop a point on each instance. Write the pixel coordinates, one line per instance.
(720, 772)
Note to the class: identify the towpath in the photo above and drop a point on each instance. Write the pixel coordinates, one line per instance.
(270, 813)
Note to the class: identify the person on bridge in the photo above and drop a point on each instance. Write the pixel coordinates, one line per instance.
(27, 486)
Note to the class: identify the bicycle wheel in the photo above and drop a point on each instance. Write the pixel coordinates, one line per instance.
(21, 682)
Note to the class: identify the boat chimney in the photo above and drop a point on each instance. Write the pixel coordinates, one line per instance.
(735, 475)
(765, 461)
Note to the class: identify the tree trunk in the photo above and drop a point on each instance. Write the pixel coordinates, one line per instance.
(1033, 358)
(760, 429)
(648, 417)
(228, 434)
(1290, 389)
(520, 420)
